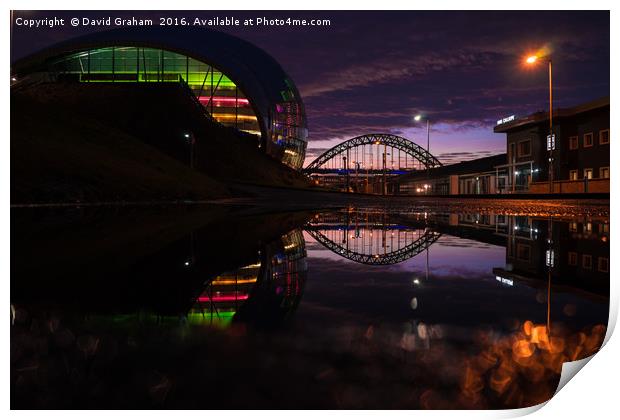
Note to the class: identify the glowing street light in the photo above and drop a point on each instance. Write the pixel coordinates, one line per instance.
(531, 60)
(191, 140)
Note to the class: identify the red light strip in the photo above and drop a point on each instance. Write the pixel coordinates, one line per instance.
(223, 298)
(225, 99)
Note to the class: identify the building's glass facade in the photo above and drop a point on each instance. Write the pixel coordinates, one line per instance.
(288, 128)
(216, 92)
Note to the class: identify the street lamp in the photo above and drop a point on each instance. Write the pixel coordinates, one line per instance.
(428, 144)
(531, 60)
(189, 137)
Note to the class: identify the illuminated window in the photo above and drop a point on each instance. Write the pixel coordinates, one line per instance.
(603, 228)
(572, 226)
(588, 140)
(525, 148)
(586, 261)
(572, 258)
(574, 175)
(603, 265)
(587, 227)
(603, 172)
(603, 137)
(550, 258)
(573, 142)
(587, 173)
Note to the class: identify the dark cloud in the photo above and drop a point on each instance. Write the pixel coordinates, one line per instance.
(372, 71)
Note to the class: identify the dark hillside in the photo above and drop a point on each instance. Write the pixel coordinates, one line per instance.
(95, 141)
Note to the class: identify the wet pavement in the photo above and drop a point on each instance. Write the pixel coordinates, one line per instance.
(452, 305)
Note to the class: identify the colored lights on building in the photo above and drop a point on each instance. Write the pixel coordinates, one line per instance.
(225, 297)
(225, 102)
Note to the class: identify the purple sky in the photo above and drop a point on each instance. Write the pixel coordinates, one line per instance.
(372, 71)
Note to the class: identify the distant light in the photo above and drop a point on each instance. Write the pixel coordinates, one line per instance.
(416, 281)
(186, 135)
(13, 79)
(186, 263)
(531, 59)
(417, 117)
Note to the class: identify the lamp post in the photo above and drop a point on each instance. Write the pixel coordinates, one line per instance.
(428, 144)
(189, 137)
(551, 138)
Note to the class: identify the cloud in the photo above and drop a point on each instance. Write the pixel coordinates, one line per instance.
(382, 71)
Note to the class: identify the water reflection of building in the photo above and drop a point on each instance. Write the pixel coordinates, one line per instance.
(225, 293)
(270, 287)
(574, 252)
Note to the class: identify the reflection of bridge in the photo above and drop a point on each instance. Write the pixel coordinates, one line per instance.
(364, 163)
(369, 239)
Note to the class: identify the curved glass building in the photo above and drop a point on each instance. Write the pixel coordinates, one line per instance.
(237, 83)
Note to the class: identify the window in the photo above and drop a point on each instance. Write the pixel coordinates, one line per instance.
(572, 226)
(603, 137)
(572, 258)
(587, 227)
(603, 172)
(525, 148)
(588, 140)
(523, 252)
(586, 261)
(603, 265)
(604, 228)
(587, 173)
(573, 142)
(574, 175)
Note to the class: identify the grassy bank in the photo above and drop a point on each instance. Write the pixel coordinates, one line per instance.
(100, 142)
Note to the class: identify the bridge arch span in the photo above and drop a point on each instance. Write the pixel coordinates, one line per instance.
(393, 141)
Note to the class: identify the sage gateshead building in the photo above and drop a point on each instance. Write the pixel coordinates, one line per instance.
(237, 83)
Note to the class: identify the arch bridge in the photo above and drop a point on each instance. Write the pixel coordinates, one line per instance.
(369, 238)
(365, 163)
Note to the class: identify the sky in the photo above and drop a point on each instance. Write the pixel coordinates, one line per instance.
(371, 72)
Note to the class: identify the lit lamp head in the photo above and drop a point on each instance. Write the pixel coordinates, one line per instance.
(417, 117)
(531, 59)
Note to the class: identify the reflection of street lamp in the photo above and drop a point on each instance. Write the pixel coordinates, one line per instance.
(531, 60)
(428, 144)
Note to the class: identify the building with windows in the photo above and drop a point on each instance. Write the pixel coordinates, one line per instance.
(478, 176)
(238, 84)
(578, 155)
